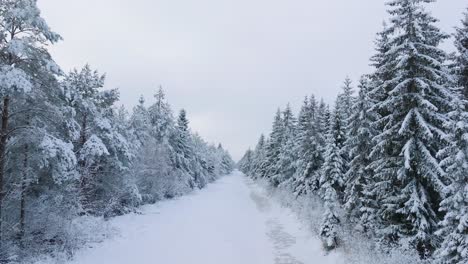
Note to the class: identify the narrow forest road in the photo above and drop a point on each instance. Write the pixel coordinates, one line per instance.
(229, 222)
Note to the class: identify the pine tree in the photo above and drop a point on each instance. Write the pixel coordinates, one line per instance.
(287, 154)
(454, 230)
(245, 164)
(359, 144)
(160, 116)
(454, 227)
(412, 106)
(269, 168)
(330, 220)
(103, 153)
(27, 80)
(140, 123)
(303, 142)
(346, 100)
(259, 157)
(333, 173)
(332, 182)
(461, 59)
(309, 147)
(182, 151)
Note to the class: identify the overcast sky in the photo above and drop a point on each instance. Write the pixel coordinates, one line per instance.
(229, 63)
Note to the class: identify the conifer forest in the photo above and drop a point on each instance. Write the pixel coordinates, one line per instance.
(379, 175)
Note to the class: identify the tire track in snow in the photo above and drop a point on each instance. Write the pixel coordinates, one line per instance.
(282, 241)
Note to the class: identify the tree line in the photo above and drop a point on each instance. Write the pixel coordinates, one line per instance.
(67, 152)
(392, 160)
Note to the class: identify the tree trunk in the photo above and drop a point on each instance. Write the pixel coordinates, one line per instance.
(82, 166)
(23, 192)
(3, 142)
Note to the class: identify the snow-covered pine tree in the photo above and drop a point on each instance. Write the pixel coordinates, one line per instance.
(140, 123)
(103, 153)
(182, 155)
(333, 172)
(412, 107)
(202, 169)
(359, 145)
(32, 113)
(332, 180)
(378, 84)
(287, 156)
(269, 168)
(303, 142)
(226, 165)
(344, 108)
(461, 58)
(346, 99)
(160, 116)
(454, 160)
(330, 220)
(259, 157)
(454, 227)
(309, 148)
(245, 164)
(323, 122)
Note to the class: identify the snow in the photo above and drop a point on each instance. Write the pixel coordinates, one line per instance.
(232, 221)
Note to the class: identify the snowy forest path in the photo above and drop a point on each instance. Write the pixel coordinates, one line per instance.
(231, 221)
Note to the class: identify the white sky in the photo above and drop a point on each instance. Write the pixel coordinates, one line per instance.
(230, 63)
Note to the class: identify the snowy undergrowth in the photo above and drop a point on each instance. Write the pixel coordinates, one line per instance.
(357, 248)
(80, 232)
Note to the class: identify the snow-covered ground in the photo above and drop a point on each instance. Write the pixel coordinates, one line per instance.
(231, 221)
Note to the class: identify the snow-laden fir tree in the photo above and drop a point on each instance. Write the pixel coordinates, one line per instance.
(454, 227)
(461, 58)
(246, 162)
(333, 171)
(140, 123)
(344, 108)
(303, 142)
(269, 168)
(360, 133)
(287, 155)
(160, 116)
(346, 99)
(332, 180)
(412, 104)
(226, 164)
(309, 148)
(259, 156)
(330, 220)
(182, 155)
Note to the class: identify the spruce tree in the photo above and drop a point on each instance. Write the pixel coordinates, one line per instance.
(269, 168)
(332, 181)
(160, 116)
(333, 173)
(454, 227)
(461, 58)
(303, 142)
(287, 155)
(182, 151)
(245, 164)
(259, 157)
(412, 105)
(359, 144)
(310, 147)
